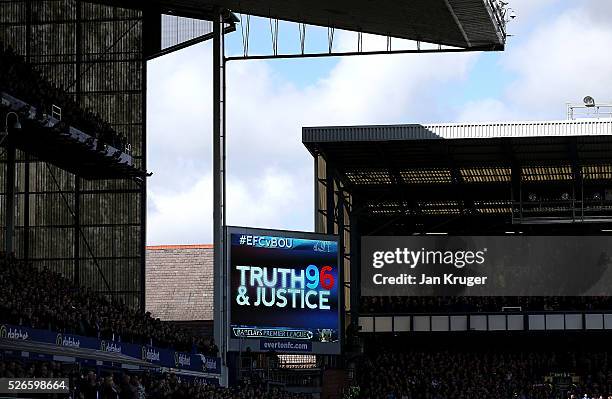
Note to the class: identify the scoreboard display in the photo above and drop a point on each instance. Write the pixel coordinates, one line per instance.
(283, 291)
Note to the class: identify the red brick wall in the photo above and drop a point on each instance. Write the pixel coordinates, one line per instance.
(179, 282)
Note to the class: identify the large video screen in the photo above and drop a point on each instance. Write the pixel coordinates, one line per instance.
(283, 291)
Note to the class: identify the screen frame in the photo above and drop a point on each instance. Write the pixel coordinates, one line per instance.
(253, 344)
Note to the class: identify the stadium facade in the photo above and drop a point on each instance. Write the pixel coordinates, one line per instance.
(91, 230)
(533, 178)
(96, 53)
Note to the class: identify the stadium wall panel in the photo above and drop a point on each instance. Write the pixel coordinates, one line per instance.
(95, 53)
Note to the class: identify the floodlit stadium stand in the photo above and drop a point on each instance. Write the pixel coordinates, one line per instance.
(80, 191)
(72, 89)
(73, 298)
(522, 178)
(47, 130)
(43, 299)
(506, 179)
(74, 94)
(504, 374)
(19, 79)
(111, 383)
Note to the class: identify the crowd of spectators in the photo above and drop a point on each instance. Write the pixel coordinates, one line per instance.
(46, 300)
(172, 387)
(38, 369)
(19, 79)
(476, 374)
(397, 374)
(86, 384)
(406, 304)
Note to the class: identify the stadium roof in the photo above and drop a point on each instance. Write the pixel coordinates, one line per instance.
(427, 171)
(459, 23)
(441, 145)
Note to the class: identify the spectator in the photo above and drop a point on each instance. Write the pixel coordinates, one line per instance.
(472, 374)
(24, 82)
(138, 387)
(43, 299)
(89, 387)
(108, 390)
(127, 390)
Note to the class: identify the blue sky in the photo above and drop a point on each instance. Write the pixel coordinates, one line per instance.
(557, 54)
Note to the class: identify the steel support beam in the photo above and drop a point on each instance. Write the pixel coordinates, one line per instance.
(77, 181)
(150, 22)
(355, 261)
(220, 319)
(26, 209)
(77, 229)
(329, 200)
(9, 238)
(197, 40)
(354, 53)
(341, 253)
(432, 192)
(316, 194)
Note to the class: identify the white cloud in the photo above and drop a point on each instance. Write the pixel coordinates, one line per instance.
(562, 59)
(184, 217)
(485, 110)
(556, 58)
(269, 170)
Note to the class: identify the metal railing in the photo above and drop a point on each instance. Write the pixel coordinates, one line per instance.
(498, 11)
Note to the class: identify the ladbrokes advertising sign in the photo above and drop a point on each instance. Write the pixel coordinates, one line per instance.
(486, 266)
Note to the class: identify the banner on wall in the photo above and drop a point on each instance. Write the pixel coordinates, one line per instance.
(159, 356)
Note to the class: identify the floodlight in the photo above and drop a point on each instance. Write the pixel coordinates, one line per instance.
(16, 124)
(589, 101)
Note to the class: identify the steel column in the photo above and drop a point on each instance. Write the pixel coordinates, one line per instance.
(9, 242)
(151, 26)
(316, 194)
(26, 209)
(77, 229)
(341, 274)
(330, 200)
(77, 181)
(220, 322)
(355, 261)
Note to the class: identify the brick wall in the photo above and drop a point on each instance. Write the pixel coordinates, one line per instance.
(179, 282)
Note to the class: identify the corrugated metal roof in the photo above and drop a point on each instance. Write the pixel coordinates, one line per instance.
(458, 23)
(457, 131)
